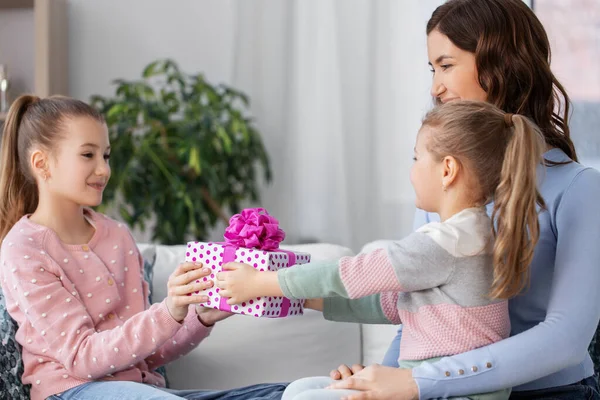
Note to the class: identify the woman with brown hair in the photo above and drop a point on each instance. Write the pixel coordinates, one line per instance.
(498, 51)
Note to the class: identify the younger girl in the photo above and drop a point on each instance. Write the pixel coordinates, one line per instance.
(73, 277)
(448, 282)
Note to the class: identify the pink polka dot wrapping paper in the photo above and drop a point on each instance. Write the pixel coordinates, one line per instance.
(212, 254)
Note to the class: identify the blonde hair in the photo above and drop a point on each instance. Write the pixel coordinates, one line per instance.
(30, 122)
(501, 153)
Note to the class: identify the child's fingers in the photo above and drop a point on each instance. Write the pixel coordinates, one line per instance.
(190, 276)
(191, 288)
(231, 266)
(181, 301)
(221, 283)
(233, 301)
(185, 267)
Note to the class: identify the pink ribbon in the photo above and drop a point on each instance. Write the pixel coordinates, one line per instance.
(254, 228)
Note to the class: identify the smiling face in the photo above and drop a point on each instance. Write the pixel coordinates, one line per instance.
(78, 166)
(454, 71)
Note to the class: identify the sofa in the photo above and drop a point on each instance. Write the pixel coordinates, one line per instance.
(243, 350)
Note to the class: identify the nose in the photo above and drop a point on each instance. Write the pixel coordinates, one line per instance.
(103, 169)
(437, 86)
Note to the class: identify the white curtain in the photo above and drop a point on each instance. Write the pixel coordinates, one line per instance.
(338, 88)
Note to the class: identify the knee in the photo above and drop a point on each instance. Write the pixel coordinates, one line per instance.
(298, 389)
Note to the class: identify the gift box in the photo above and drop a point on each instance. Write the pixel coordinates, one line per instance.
(253, 238)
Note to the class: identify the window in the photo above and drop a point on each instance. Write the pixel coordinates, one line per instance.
(573, 27)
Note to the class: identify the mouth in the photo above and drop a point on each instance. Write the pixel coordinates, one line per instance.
(448, 100)
(98, 186)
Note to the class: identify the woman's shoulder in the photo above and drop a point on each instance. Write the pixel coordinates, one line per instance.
(568, 180)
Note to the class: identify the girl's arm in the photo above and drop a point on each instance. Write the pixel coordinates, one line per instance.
(186, 339)
(415, 263)
(572, 316)
(59, 326)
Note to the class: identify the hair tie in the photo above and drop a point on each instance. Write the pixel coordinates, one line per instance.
(508, 120)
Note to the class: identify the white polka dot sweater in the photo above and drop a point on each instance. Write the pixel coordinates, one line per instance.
(83, 312)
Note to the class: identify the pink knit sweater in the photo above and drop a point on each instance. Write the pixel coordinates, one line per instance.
(83, 312)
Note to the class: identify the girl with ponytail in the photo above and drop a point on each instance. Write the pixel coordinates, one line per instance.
(448, 283)
(72, 278)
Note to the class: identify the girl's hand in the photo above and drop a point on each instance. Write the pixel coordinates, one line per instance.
(210, 316)
(241, 282)
(382, 383)
(182, 285)
(344, 371)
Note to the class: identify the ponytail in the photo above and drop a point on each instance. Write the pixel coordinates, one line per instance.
(18, 191)
(503, 153)
(515, 208)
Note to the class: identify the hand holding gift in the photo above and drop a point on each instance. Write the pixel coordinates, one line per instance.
(242, 283)
(252, 242)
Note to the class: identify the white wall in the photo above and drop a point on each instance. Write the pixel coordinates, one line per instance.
(111, 39)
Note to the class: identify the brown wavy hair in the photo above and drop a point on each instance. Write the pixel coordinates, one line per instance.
(512, 56)
(31, 122)
(500, 153)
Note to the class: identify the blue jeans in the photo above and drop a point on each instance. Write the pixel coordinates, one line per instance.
(587, 389)
(118, 390)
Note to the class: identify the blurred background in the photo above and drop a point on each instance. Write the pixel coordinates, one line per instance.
(336, 91)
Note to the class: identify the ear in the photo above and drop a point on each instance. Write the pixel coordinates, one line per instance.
(450, 170)
(39, 164)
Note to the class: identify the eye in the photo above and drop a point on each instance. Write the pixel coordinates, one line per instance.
(107, 157)
(445, 66)
(88, 155)
(414, 158)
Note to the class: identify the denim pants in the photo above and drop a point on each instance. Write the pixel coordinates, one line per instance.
(587, 389)
(118, 390)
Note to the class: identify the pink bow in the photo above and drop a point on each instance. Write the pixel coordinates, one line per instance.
(254, 228)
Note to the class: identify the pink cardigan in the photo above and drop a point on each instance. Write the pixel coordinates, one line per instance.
(83, 312)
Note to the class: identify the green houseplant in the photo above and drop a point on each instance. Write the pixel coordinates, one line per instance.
(184, 153)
